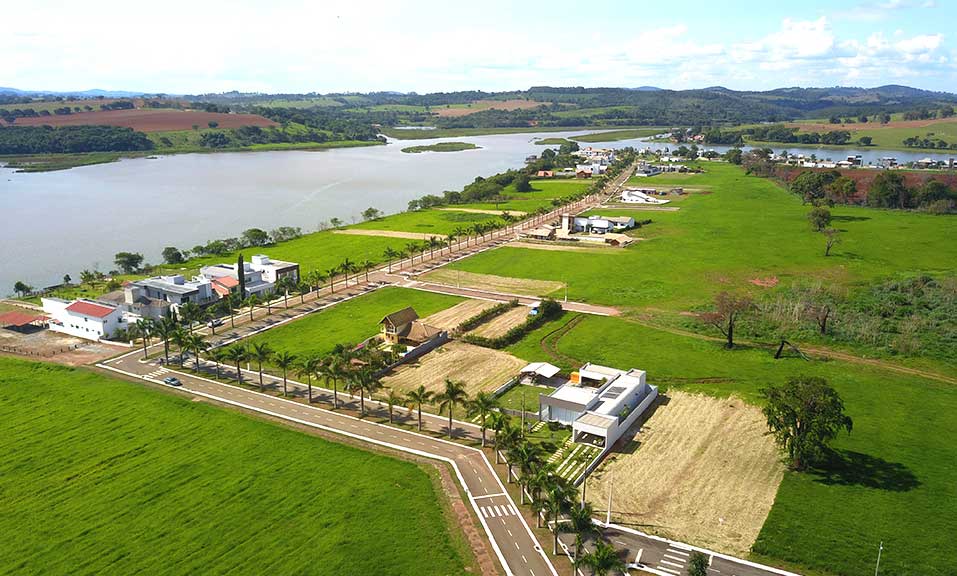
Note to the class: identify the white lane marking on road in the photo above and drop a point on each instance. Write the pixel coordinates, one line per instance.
(488, 496)
(672, 564)
(678, 552)
(669, 570)
(509, 531)
(678, 558)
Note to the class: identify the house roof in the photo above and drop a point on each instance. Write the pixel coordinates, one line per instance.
(402, 317)
(543, 369)
(419, 332)
(19, 319)
(226, 281)
(91, 309)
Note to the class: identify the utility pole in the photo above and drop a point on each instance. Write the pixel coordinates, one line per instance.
(584, 485)
(879, 550)
(523, 412)
(608, 516)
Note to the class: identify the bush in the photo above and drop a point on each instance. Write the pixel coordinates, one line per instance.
(549, 310)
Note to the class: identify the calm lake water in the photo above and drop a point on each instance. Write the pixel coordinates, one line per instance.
(63, 222)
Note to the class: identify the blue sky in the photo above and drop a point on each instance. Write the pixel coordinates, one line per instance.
(363, 45)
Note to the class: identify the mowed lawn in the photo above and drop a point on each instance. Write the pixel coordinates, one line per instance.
(438, 222)
(747, 228)
(350, 322)
(897, 483)
(103, 476)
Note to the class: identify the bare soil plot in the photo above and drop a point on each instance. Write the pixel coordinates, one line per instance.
(159, 120)
(492, 283)
(385, 233)
(481, 369)
(482, 105)
(561, 247)
(450, 318)
(483, 211)
(46, 345)
(502, 323)
(704, 472)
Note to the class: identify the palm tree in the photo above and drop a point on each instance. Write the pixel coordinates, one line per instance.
(579, 522)
(411, 248)
(526, 456)
(393, 399)
(482, 405)
(362, 381)
(261, 352)
(180, 337)
(390, 255)
(284, 361)
(604, 560)
(316, 278)
(237, 354)
(417, 398)
(335, 368)
(197, 344)
(432, 244)
(367, 265)
(303, 288)
(347, 267)
(286, 283)
(144, 328)
(252, 301)
(454, 394)
(189, 313)
(458, 232)
(165, 329)
(218, 355)
(536, 483)
(558, 501)
(307, 367)
(331, 277)
(230, 302)
(449, 240)
(477, 229)
(506, 436)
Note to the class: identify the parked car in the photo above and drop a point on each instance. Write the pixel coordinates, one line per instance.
(214, 323)
(172, 381)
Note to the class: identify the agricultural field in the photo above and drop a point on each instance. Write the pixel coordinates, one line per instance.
(616, 135)
(450, 318)
(480, 369)
(491, 282)
(746, 228)
(502, 323)
(700, 470)
(101, 475)
(150, 120)
(350, 322)
(890, 135)
(457, 110)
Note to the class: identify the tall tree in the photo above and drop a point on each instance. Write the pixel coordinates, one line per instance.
(604, 560)
(284, 361)
(261, 352)
(237, 354)
(453, 395)
(393, 398)
(482, 405)
(307, 366)
(728, 309)
(128, 262)
(416, 398)
(804, 415)
(390, 255)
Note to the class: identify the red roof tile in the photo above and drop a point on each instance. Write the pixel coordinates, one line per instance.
(90, 309)
(227, 281)
(19, 319)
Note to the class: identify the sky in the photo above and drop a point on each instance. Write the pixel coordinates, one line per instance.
(298, 46)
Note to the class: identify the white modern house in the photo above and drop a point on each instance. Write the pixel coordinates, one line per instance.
(85, 318)
(255, 283)
(599, 403)
(274, 270)
(641, 196)
(596, 224)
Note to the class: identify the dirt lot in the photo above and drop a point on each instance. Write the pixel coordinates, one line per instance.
(41, 344)
(503, 323)
(555, 246)
(864, 178)
(481, 105)
(386, 233)
(481, 369)
(492, 283)
(703, 472)
(450, 318)
(149, 120)
(483, 211)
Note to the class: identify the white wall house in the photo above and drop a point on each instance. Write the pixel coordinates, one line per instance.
(84, 318)
(640, 196)
(274, 270)
(599, 403)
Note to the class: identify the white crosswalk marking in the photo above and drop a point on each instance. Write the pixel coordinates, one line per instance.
(498, 511)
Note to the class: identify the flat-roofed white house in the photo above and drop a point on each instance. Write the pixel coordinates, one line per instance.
(596, 224)
(255, 284)
(641, 196)
(84, 318)
(274, 270)
(599, 403)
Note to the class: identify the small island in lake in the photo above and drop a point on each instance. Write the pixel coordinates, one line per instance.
(441, 147)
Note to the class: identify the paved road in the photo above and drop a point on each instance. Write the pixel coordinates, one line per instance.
(509, 534)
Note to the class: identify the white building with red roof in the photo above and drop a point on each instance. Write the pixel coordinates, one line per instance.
(84, 318)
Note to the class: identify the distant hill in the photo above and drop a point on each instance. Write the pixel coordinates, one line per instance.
(74, 94)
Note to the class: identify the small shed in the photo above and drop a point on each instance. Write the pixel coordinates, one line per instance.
(22, 321)
(539, 372)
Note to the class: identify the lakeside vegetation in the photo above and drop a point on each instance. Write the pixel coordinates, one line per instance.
(105, 485)
(616, 135)
(441, 147)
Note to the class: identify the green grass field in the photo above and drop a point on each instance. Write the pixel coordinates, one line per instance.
(897, 486)
(616, 135)
(438, 222)
(552, 141)
(747, 228)
(890, 137)
(102, 476)
(350, 322)
(441, 147)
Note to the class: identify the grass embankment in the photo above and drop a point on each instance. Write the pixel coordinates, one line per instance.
(889, 137)
(616, 135)
(350, 322)
(441, 147)
(552, 141)
(103, 476)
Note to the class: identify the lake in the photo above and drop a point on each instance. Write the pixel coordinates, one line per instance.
(62, 222)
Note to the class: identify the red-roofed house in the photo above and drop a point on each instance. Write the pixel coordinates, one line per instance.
(83, 318)
(225, 285)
